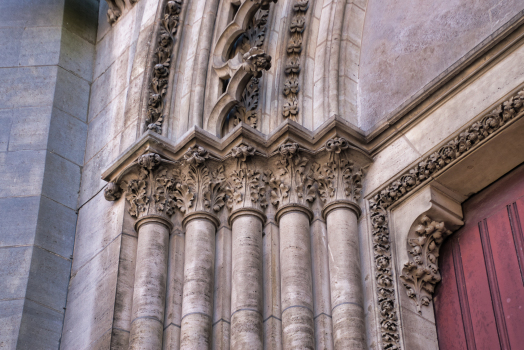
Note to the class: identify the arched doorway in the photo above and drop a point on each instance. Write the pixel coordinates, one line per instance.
(480, 302)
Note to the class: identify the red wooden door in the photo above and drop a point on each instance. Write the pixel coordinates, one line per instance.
(480, 302)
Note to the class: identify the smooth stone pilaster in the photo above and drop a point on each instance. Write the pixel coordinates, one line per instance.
(197, 303)
(298, 329)
(247, 285)
(345, 276)
(149, 293)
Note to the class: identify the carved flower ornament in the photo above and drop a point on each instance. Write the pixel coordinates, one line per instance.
(256, 61)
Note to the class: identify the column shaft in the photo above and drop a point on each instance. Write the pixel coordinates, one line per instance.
(247, 288)
(149, 293)
(197, 304)
(345, 279)
(297, 291)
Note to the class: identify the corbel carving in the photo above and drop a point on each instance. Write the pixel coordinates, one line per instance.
(294, 181)
(116, 8)
(148, 184)
(292, 69)
(421, 273)
(162, 64)
(246, 188)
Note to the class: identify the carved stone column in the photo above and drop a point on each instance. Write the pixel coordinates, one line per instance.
(345, 277)
(294, 188)
(197, 302)
(298, 326)
(199, 195)
(246, 221)
(339, 186)
(148, 186)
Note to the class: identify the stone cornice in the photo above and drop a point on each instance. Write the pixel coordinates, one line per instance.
(266, 145)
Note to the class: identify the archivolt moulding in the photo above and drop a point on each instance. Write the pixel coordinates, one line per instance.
(467, 141)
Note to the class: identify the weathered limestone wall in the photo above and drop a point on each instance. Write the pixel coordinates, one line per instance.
(99, 303)
(46, 59)
(406, 45)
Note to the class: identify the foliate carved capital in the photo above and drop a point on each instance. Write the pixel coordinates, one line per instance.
(421, 273)
(256, 61)
(199, 188)
(148, 185)
(246, 187)
(339, 178)
(293, 181)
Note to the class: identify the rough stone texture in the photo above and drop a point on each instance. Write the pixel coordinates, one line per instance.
(298, 328)
(45, 75)
(345, 277)
(246, 286)
(406, 45)
(197, 303)
(149, 292)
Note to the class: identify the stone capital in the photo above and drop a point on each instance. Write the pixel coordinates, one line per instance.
(148, 184)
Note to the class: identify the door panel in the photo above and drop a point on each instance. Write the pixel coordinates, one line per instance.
(480, 302)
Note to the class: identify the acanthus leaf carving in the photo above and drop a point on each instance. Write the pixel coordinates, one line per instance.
(421, 273)
(148, 185)
(246, 187)
(295, 182)
(199, 188)
(339, 177)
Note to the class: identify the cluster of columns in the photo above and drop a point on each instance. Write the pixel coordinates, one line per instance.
(298, 324)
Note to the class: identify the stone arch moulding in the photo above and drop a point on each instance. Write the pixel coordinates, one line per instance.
(240, 68)
(472, 159)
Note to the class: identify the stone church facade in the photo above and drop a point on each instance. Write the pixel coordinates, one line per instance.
(259, 174)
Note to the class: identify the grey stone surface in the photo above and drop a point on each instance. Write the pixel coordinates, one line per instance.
(48, 279)
(14, 270)
(10, 316)
(76, 55)
(81, 17)
(21, 173)
(30, 128)
(61, 180)
(18, 220)
(10, 41)
(6, 120)
(404, 46)
(40, 327)
(38, 14)
(90, 301)
(55, 230)
(98, 226)
(27, 86)
(72, 94)
(67, 136)
(40, 46)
